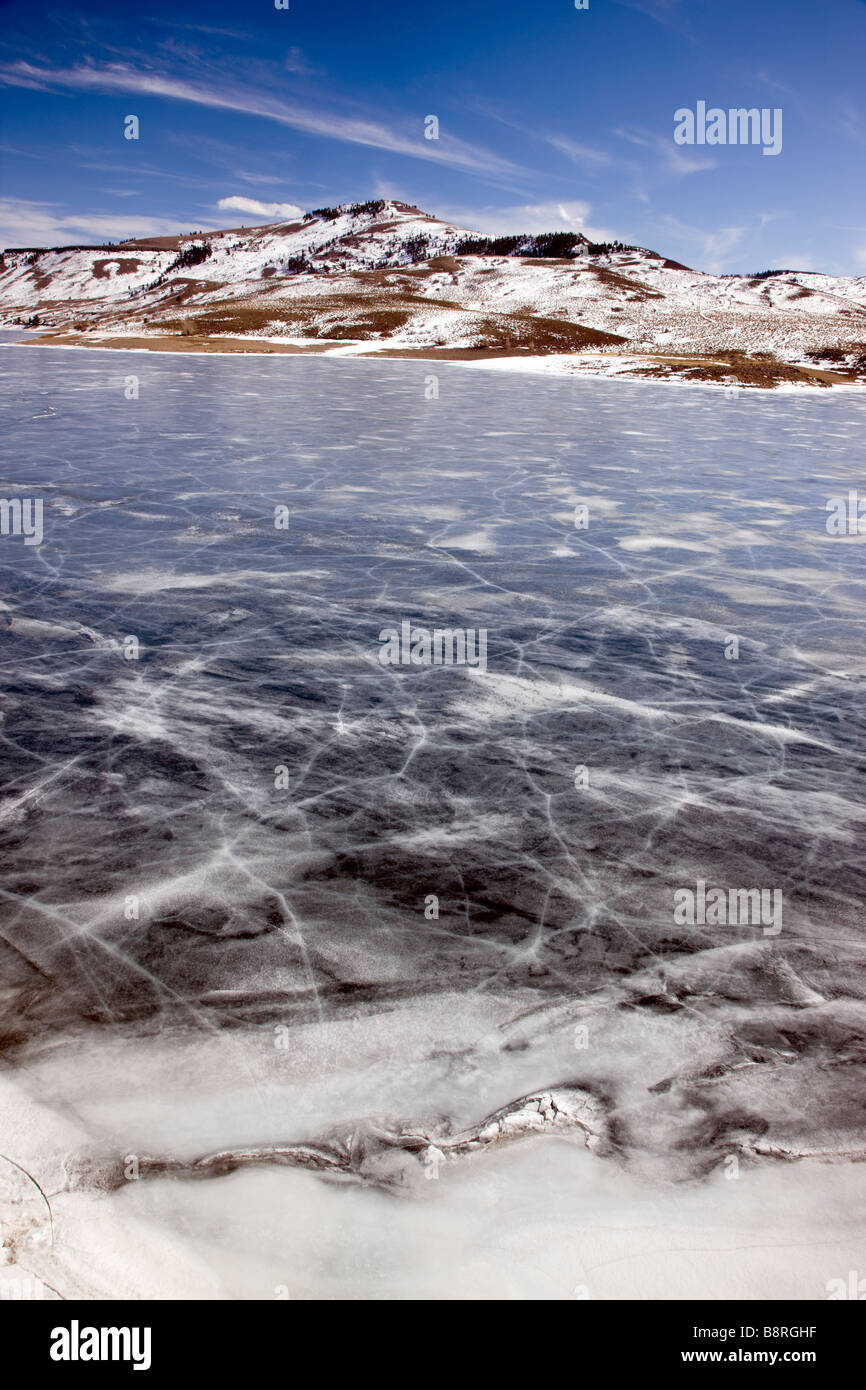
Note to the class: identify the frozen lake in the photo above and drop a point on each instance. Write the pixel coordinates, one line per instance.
(263, 889)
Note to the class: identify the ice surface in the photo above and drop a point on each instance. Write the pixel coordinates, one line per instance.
(202, 953)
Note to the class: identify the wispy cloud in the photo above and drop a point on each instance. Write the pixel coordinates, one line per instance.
(664, 12)
(530, 218)
(733, 249)
(228, 156)
(850, 120)
(197, 28)
(297, 63)
(576, 152)
(123, 77)
(770, 81)
(672, 158)
(718, 244)
(31, 223)
(798, 260)
(248, 177)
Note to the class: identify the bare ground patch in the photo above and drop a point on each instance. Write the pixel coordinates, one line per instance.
(126, 265)
(848, 360)
(165, 342)
(737, 368)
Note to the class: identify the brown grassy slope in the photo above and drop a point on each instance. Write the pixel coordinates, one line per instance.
(740, 369)
(363, 317)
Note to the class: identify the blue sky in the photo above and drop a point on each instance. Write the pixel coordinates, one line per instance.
(549, 117)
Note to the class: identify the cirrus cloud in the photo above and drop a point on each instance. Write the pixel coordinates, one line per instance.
(233, 96)
(531, 218)
(26, 222)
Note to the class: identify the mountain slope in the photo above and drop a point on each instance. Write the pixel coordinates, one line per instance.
(384, 276)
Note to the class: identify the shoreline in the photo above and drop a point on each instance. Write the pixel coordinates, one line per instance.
(597, 366)
(623, 1231)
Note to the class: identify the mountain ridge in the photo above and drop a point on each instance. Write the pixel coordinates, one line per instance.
(385, 276)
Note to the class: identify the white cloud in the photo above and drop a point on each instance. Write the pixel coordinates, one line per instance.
(277, 212)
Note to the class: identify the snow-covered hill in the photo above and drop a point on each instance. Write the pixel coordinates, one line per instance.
(384, 276)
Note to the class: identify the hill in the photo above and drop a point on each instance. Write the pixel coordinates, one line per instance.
(382, 276)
